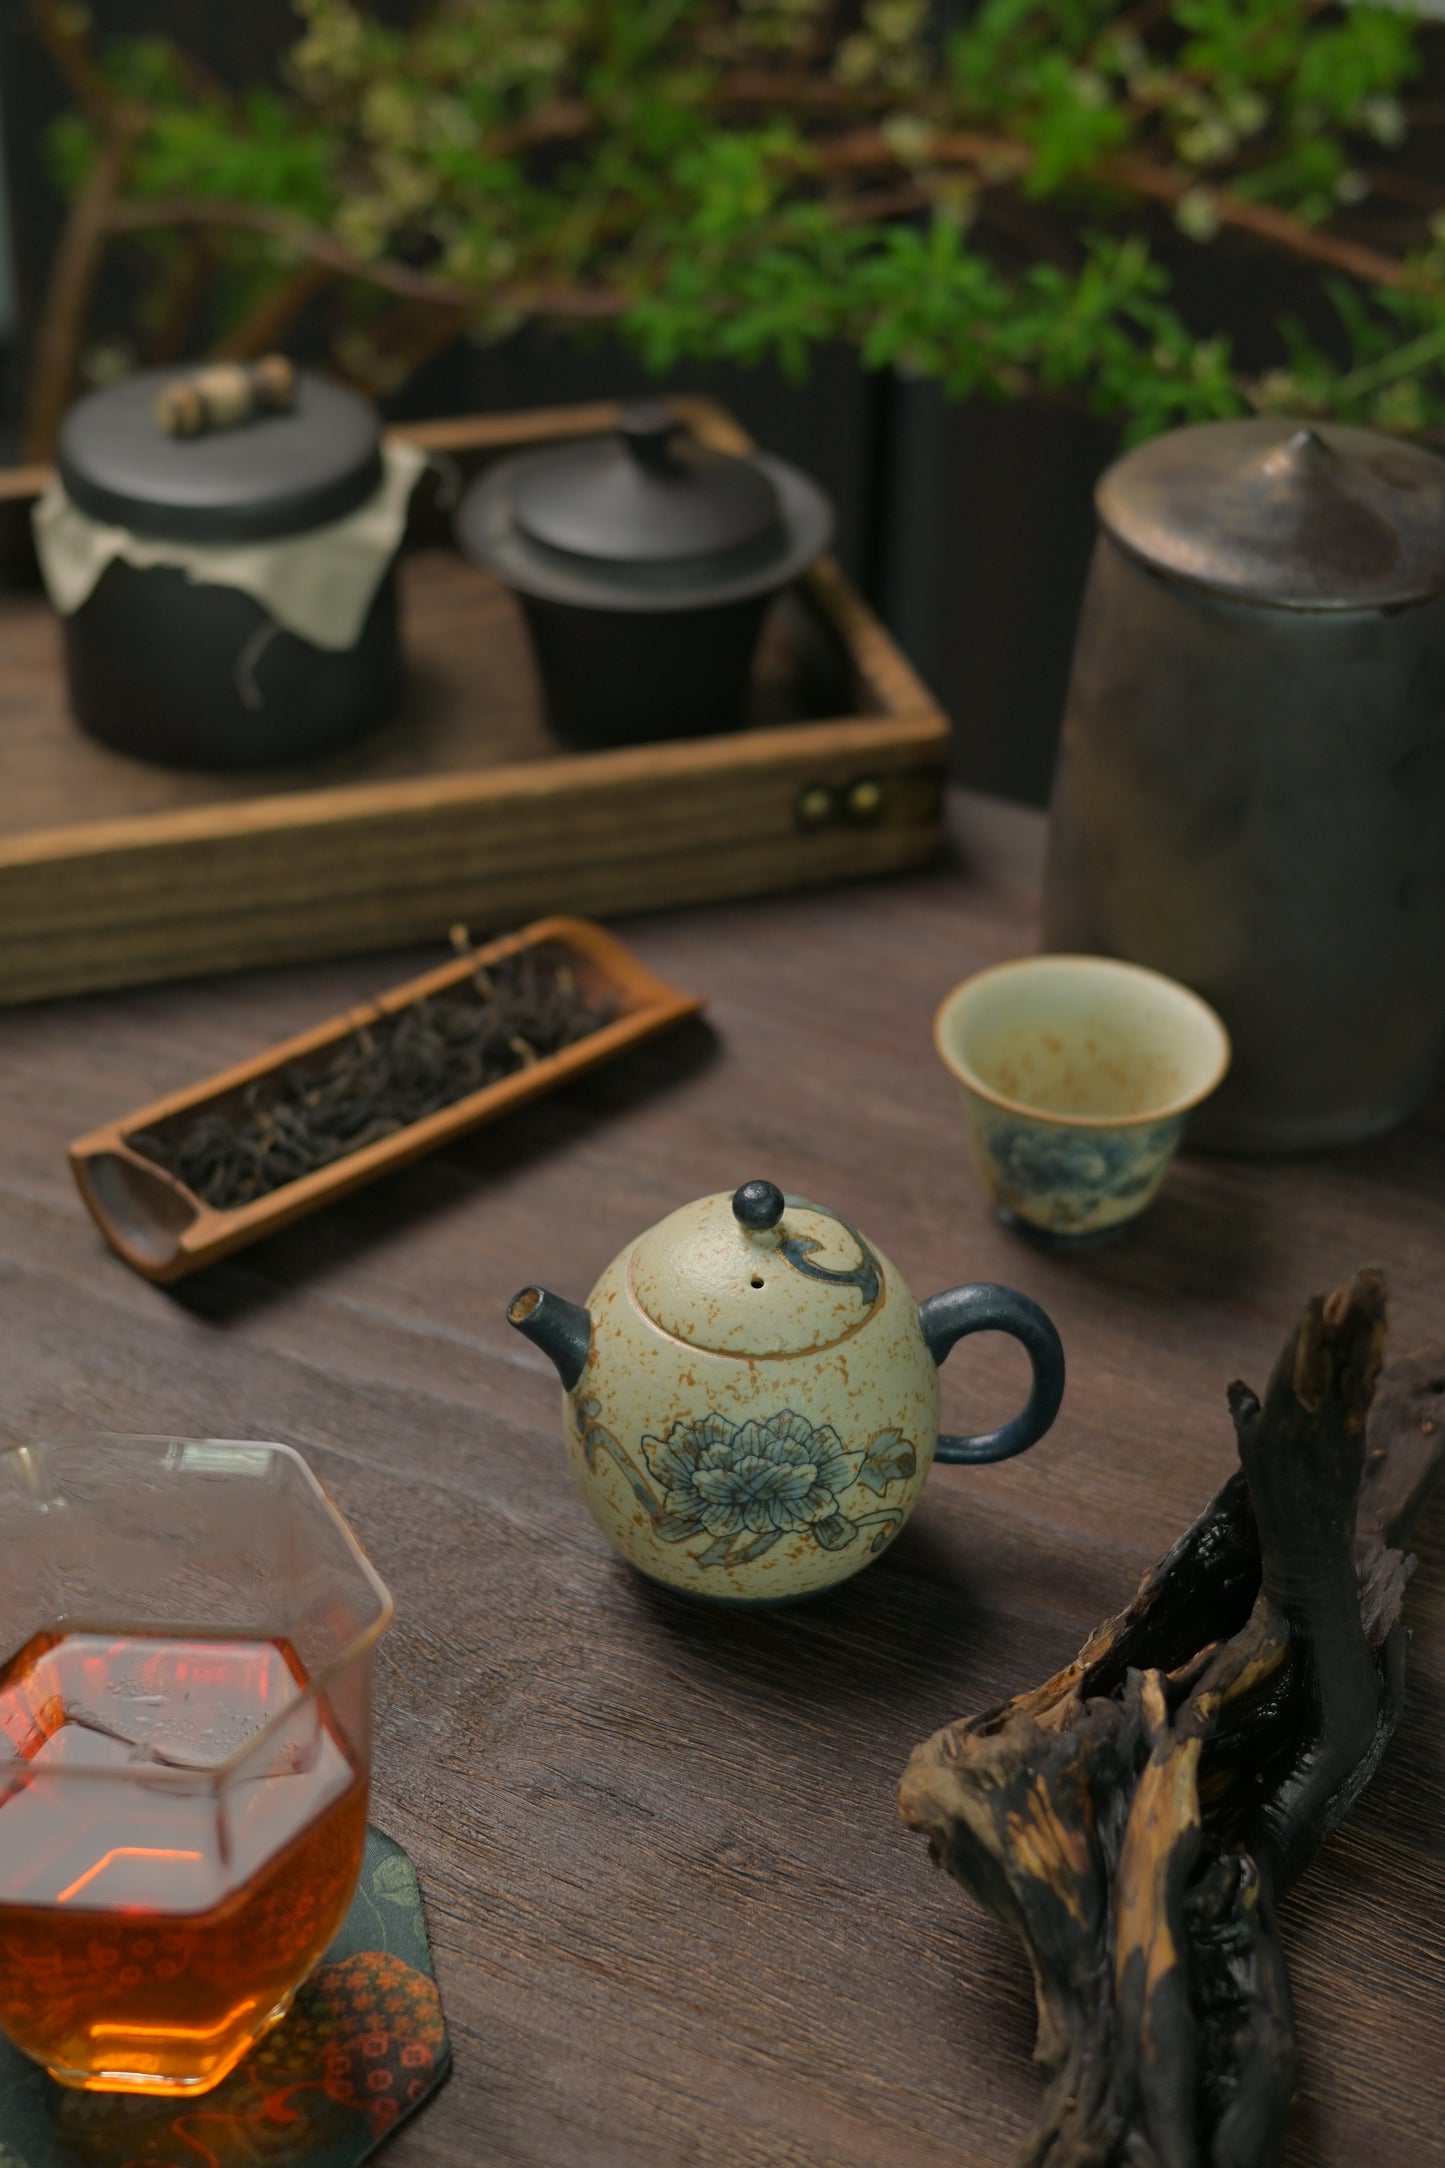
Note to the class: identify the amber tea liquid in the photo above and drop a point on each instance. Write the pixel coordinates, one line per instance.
(151, 1925)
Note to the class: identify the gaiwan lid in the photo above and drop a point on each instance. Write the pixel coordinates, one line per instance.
(1303, 518)
(645, 517)
(755, 1273)
(277, 474)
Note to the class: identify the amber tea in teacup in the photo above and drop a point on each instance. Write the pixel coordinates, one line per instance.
(183, 1794)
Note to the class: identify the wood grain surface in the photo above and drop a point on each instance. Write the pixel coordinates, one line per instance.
(675, 1916)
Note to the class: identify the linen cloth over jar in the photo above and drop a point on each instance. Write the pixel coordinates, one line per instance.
(227, 599)
(318, 585)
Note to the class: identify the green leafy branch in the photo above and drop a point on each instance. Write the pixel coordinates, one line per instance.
(1009, 209)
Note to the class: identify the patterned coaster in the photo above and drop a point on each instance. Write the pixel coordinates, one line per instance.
(363, 2046)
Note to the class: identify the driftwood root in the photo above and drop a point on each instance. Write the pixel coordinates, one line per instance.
(1136, 1818)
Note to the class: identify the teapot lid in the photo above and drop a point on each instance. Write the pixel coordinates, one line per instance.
(1276, 512)
(756, 1273)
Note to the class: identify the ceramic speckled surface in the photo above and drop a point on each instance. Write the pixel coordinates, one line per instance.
(1077, 1074)
(746, 1475)
(751, 1394)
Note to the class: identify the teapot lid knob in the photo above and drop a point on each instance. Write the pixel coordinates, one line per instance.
(758, 1206)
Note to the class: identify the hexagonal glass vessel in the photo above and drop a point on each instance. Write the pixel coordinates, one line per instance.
(187, 1629)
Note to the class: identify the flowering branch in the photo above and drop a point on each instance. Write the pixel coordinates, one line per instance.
(732, 179)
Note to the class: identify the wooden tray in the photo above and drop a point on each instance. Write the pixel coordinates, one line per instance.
(161, 1227)
(113, 872)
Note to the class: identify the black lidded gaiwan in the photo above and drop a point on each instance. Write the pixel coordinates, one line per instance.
(200, 674)
(645, 562)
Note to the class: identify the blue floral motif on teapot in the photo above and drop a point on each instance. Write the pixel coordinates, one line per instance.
(745, 1485)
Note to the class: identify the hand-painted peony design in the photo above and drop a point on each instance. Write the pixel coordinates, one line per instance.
(747, 1485)
(763, 1477)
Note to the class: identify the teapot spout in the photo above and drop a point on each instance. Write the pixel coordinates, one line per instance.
(562, 1330)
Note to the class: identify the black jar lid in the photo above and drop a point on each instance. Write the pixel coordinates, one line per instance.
(1296, 516)
(645, 518)
(280, 474)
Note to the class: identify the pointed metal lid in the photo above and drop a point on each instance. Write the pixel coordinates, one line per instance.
(1301, 517)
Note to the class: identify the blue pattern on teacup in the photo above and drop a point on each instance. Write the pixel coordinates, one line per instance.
(1034, 1160)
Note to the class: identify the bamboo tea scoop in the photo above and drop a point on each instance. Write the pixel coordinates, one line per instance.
(287, 1119)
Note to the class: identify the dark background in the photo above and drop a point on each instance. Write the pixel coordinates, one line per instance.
(968, 526)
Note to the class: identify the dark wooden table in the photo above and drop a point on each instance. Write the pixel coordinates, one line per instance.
(676, 1919)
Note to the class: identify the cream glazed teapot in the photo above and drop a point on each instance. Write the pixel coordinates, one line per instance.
(751, 1394)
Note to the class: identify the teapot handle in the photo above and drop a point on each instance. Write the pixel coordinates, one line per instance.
(950, 1317)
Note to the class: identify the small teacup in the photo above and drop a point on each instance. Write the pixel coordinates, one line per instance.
(1077, 1073)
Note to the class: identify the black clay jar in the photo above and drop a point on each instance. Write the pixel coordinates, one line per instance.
(180, 661)
(645, 562)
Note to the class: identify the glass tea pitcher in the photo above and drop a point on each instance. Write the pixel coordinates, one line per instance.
(186, 1638)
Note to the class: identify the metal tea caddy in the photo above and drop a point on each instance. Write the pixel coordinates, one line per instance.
(1251, 786)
